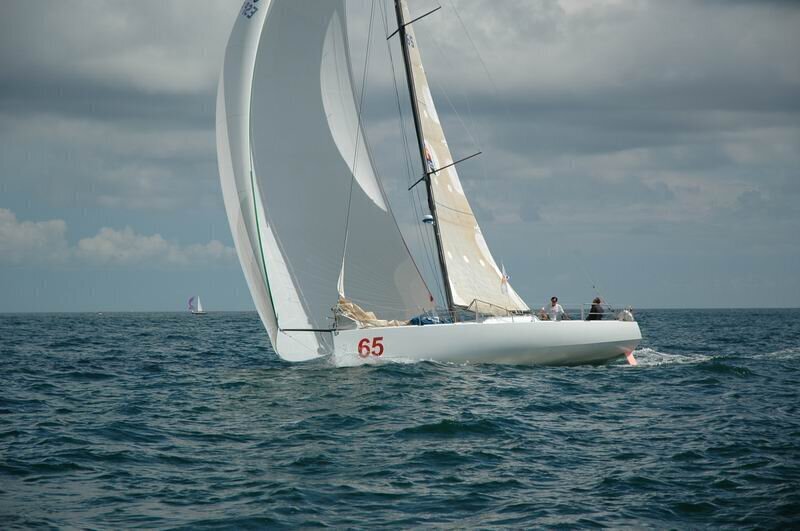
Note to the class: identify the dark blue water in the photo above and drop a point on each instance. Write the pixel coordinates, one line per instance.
(170, 420)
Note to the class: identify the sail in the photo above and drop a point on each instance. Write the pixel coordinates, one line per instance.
(199, 305)
(298, 179)
(473, 275)
(191, 304)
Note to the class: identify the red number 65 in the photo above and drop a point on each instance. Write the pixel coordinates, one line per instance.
(375, 347)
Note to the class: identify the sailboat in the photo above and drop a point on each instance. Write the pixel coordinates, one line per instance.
(325, 261)
(196, 309)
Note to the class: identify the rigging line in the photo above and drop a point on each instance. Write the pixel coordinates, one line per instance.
(409, 63)
(358, 136)
(477, 52)
(442, 88)
(369, 155)
(415, 200)
(326, 341)
(594, 286)
(485, 69)
(426, 237)
(405, 141)
(412, 199)
(471, 214)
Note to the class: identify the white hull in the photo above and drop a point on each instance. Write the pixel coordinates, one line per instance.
(521, 342)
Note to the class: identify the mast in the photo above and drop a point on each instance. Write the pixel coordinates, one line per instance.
(398, 7)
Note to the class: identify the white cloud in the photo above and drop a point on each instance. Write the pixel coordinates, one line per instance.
(31, 242)
(37, 243)
(125, 247)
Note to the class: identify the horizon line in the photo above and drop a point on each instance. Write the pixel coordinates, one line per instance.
(11, 312)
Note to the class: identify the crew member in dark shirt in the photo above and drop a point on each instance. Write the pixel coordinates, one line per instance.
(596, 311)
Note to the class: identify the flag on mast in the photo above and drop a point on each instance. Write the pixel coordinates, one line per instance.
(504, 279)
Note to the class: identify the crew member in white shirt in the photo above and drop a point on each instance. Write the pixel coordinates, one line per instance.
(555, 312)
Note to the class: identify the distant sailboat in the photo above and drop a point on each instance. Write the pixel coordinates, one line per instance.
(310, 218)
(196, 309)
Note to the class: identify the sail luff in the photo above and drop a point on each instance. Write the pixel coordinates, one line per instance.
(399, 12)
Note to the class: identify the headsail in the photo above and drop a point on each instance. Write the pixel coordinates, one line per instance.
(472, 272)
(290, 144)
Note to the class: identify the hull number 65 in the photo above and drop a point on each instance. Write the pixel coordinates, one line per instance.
(369, 346)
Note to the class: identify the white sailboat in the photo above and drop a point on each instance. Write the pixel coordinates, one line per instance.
(196, 305)
(326, 264)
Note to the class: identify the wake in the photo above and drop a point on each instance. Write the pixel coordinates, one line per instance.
(648, 357)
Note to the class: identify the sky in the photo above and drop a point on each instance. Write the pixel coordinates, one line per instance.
(644, 150)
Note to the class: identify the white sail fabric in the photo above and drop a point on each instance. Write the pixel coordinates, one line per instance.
(293, 161)
(475, 280)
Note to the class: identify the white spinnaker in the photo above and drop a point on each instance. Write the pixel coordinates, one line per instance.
(472, 270)
(286, 120)
(240, 190)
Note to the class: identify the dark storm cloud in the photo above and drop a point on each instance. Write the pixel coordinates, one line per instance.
(146, 62)
(109, 104)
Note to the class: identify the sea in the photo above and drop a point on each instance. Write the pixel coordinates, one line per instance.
(175, 421)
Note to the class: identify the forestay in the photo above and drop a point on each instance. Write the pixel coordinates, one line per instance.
(474, 277)
(290, 146)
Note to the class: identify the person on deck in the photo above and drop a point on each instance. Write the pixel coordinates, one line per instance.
(554, 312)
(596, 311)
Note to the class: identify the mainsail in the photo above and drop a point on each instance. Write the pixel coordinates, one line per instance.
(472, 273)
(298, 180)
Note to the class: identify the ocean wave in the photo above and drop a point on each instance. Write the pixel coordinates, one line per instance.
(451, 428)
(791, 353)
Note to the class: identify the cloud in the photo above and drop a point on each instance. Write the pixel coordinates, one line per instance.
(670, 54)
(147, 46)
(113, 104)
(679, 121)
(44, 243)
(117, 101)
(31, 242)
(125, 247)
